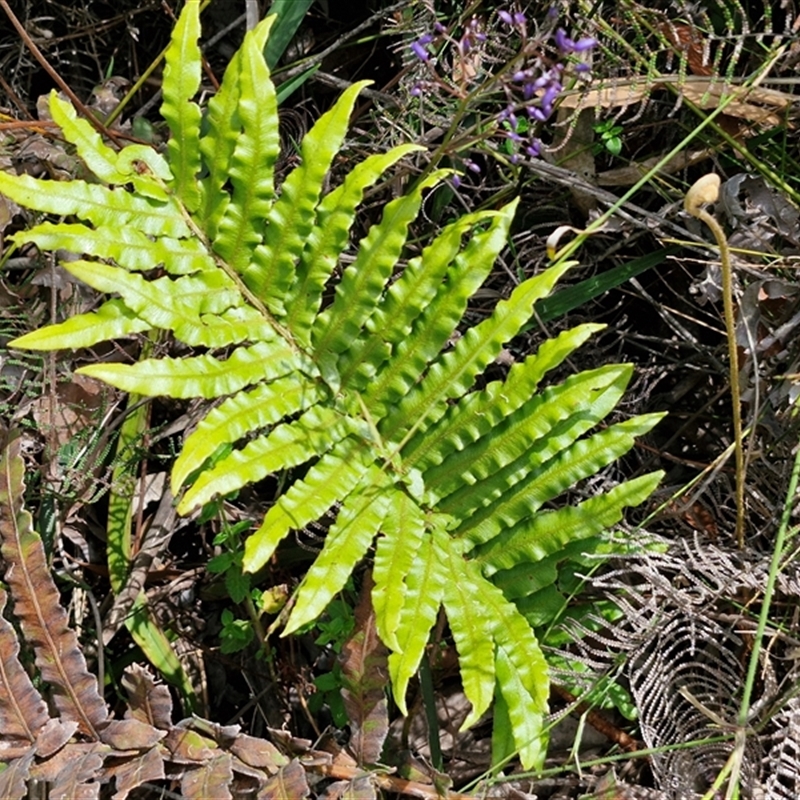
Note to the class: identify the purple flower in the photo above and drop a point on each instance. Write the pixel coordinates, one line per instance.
(567, 45)
(517, 19)
(534, 148)
(582, 45)
(418, 47)
(563, 42)
(542, 81)
(550, 94)
(416, 90)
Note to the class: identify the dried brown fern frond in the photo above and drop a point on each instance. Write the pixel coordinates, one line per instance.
(684, 636)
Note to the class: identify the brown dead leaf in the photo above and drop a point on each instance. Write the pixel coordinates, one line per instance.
(758, 104)
(37, 604)
(74, 772)
(258, 753)
(54, 736)
(189, 747)
(75, 408)
(289, 784)
(23, 712)
(133, 772)
(148, 702)
(131, 734)
(213, 779)
(13, 779)
(365, 671)
(689, 40)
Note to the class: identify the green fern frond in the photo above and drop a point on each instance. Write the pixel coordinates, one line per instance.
(200, 376)
(98, 156)
(329, 481)
(127, 247)
(240, 226)
(357, 523)
(544, 426)
(182, 114)
(453, 373)
(396, 553)
(395, 443)
(473, 633)
(286, 446)
(247, 411)
(111, 321)
(174, 305)
(327, 241)
(425, 583)
(474, 415)
(110, 208)
(432, 307)
(291, 218)
(549, 531)
(363, 282)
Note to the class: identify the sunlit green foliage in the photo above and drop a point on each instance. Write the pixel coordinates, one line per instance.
(358, 402)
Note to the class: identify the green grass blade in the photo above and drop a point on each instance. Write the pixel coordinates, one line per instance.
(565, 300)
(288, 16)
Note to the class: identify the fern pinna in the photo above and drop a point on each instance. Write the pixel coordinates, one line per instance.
(360, 393)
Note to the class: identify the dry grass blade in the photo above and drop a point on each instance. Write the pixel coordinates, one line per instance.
(36, 603)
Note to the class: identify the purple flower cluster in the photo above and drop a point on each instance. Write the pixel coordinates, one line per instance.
(567, 45)
(517, 19)
(540, 86)
(471, 36)
(532, 91)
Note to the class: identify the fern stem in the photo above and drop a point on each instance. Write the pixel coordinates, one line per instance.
(429, 701)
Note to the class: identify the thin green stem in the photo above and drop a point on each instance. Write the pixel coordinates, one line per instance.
(769, 589)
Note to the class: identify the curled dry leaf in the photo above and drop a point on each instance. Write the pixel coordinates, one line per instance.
(36, 603)
(756, 104)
